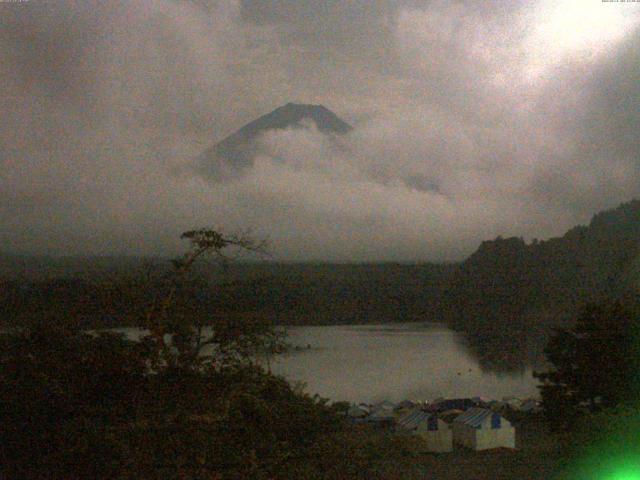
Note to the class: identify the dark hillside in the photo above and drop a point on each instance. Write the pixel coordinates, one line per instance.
(285, 293)
(508, 294)
(304, 294)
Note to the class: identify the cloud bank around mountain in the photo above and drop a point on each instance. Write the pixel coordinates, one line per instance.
(472, 121)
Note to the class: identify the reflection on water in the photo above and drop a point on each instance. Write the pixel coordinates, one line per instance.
(374, 362)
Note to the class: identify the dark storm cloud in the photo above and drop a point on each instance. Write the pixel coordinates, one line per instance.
(465, 127)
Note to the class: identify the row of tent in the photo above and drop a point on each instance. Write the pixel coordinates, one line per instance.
(529, 405)
(464, 422)
(476, 429)
(385, 409)
(388, 410)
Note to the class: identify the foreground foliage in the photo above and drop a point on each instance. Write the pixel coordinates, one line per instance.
(604, 445)
(73, 405)
(595, 363)
(183, 402)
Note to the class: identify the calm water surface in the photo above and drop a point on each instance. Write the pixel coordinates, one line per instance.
(369, 363)
(396, 361)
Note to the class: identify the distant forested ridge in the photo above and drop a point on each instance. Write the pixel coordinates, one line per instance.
(299, 294)
(506, 297)
(284, 293)
(509, 294)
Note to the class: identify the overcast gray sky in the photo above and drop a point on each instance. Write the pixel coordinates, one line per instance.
(521, 117)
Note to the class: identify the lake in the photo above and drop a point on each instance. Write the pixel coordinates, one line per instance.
(369, 363)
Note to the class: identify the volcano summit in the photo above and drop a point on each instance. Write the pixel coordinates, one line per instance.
(235, 154)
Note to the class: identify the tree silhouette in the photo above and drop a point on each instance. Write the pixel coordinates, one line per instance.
(595, 363)
(177, 336)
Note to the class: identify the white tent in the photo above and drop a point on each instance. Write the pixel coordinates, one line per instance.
(358, 411)
(406, 405)
(382, 414)
(385, 405)
(382, 417)
(497, 405)
(481, 400)
(513, 402)
(531, 406)
(436, 433)
(482, 429)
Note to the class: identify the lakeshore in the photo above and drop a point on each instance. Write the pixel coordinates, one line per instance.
(372, 363)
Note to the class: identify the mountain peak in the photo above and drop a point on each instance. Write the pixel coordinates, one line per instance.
(292, 114)
(235, 153)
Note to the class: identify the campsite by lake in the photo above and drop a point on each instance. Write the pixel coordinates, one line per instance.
(370, 363)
